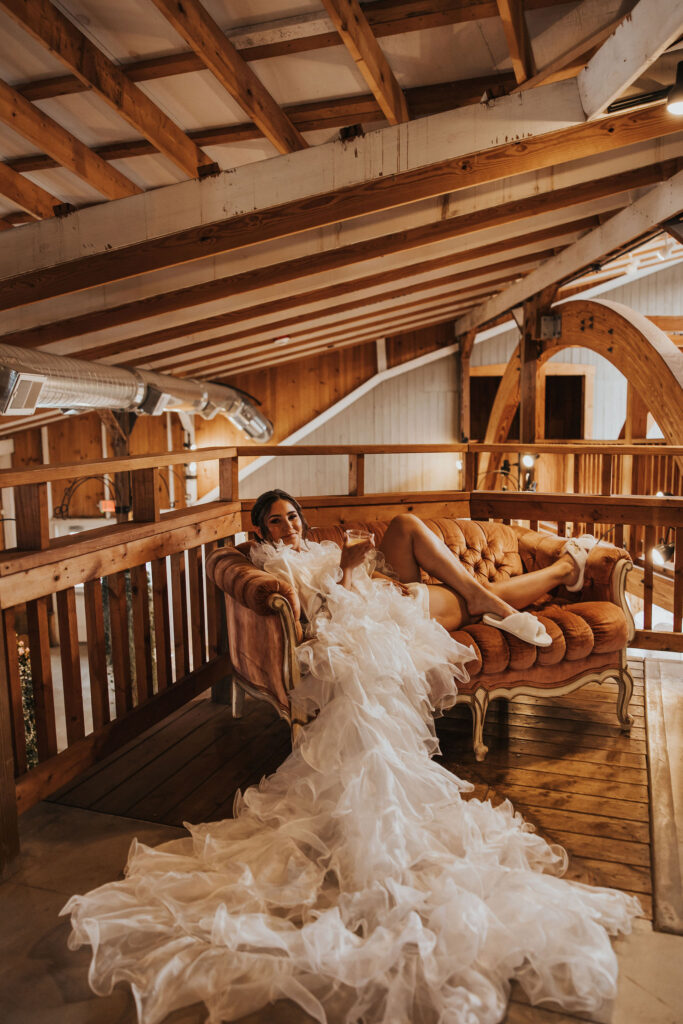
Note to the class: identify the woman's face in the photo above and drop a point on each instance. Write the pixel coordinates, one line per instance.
(283, 522)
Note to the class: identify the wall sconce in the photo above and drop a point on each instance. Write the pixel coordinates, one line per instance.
(664, 551)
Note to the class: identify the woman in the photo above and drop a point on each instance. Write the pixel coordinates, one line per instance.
(409, 546)
(355, 881)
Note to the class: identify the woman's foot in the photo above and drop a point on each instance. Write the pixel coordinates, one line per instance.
(577, 553)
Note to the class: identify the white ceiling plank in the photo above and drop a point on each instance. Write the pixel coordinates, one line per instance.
(661, 203)
(287, 179)
(651, 27)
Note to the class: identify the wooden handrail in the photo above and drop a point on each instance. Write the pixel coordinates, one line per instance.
(159, 460)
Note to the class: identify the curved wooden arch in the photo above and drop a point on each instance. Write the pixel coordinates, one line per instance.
(643, 353)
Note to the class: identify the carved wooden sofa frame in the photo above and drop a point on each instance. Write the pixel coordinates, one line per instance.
(590, 630)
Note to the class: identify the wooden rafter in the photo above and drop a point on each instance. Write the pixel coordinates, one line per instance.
(201, 32)
(51, 28)
(382, 192)
(326, 294)
(68, 151)
(202, 353)
(517, 36)
(358, 38)
(579, 52)
(261, 42)
(35, 200)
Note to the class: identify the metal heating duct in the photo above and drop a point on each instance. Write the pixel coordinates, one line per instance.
(34, 379)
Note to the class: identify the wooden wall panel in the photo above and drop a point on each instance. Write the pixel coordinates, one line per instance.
(401, 348)
(28, 449)
(71, 439)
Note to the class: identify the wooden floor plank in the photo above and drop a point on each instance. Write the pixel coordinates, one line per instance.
(465, 763)
(576, 740)
(560, 786)
(590, 813)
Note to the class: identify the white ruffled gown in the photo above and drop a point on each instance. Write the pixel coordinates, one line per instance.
(355, 881)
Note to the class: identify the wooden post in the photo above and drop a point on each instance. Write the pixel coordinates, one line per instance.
(228, 479)
(466, 344)
(9, 817)
(145, 488)
(119, 427)
(531, 413)
(33, 527)
(357, 474)
(606, 474)
(470, 482)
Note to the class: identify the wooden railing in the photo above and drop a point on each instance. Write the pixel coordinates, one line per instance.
(152, 622)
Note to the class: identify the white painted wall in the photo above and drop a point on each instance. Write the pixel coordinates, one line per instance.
(415, 408)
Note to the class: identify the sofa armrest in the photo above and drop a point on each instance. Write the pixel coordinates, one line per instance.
(537, 550)
(253, 588)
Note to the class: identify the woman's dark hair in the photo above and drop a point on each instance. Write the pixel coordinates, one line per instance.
(265, 502)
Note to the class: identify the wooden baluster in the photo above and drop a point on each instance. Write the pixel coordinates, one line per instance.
(32, 522)
(97, 655)
(120, 649)
(357, 474)
(648, 580)
(180, 634)
(561, 529)
(228, 479)
(41, 675)
(162, 624)
(619, 535)
(214, 602)
(142, 639)
(16, 708)
(678, 580)
(606, 474)
(470, 480)
(145, 497)
(71, 664)
(197, 611)
(9, 818)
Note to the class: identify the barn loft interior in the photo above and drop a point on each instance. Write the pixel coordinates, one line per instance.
(395, 257)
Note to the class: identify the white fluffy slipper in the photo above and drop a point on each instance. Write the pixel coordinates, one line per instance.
(523, 625)
(579, 552)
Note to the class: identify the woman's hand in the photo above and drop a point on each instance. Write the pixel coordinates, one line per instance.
(353, 555)
(395, 583)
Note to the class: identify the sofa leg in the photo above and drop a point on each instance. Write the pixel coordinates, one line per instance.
(479, 707)
(237, 699)
(625, 680)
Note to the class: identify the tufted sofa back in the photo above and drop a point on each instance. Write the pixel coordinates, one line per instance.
(490, 551)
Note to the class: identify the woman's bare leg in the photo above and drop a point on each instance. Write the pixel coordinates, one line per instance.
(409, 545)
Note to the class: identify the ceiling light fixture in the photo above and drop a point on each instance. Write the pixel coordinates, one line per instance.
(673, 96)
(674, 103)
(282, 341)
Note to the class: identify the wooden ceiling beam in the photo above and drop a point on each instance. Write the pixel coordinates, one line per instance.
(307, 117)
(661, 203)
(193, 23)
(68, 151)
(580, 51)
(263, 42)
(53, 30)
(264, 277)
(31, 198)
(517, 37)
(382, 192)
(357, 36)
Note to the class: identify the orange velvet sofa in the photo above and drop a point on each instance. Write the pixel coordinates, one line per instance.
(590, 630)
